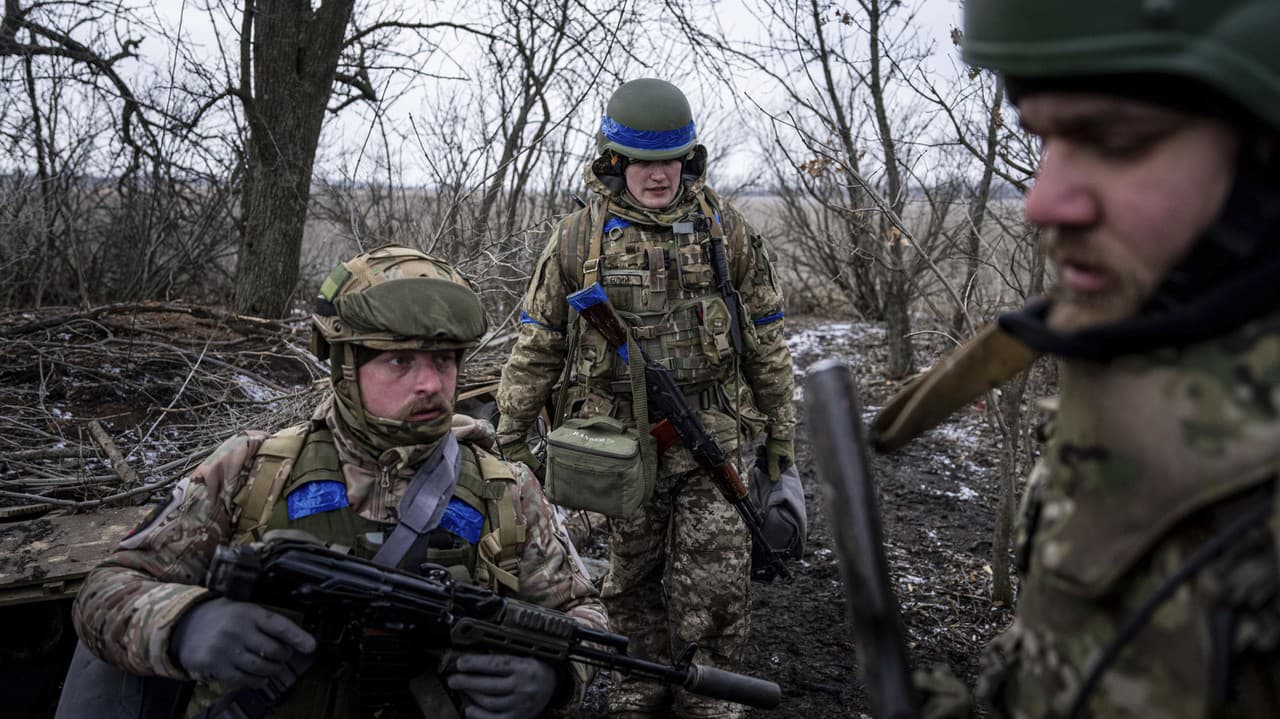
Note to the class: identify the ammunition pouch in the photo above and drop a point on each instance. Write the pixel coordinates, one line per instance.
(595, 464)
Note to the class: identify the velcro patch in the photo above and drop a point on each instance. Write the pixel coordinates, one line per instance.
(316, 497)
(463, 520)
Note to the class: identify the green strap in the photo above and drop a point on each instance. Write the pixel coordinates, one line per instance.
(640, 412)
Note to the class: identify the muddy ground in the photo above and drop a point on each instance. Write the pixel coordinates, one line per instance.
(937, 499)
(937, 495)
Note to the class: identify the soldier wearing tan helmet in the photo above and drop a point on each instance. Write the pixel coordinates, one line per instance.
(680, 560)
(393, 323)
(1147, 543)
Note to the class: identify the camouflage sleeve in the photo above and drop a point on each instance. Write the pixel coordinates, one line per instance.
(766, 361)
(552, 575)
(539, 354)
(129, 604)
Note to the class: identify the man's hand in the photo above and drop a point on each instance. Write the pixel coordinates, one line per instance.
(520, 452)
(238, 643)
(777, 455)
(502, 686)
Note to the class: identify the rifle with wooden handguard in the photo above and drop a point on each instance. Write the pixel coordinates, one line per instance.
(674, 417)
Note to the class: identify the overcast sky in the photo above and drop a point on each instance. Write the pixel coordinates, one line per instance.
(345, 134)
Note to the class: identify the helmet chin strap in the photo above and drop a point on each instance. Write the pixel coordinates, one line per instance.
(378, 434)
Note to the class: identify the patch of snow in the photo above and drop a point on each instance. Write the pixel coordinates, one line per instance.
(252, 389)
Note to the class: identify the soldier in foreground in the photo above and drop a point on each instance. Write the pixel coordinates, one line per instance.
(1149, 575)
(680, 556)
(393, 323)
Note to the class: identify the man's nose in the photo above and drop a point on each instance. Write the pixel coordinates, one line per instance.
(426, 379)
(1061, 194)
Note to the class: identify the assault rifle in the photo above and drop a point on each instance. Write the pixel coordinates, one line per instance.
(839, 444)
(677, 421)
(345, 600)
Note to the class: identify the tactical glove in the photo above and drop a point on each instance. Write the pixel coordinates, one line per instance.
(776, 455)
(520, 452)
(502, 686)
(238, 643)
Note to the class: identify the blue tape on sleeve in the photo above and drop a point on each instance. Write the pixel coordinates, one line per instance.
(463, 520)
(526, 319)
(615, 223)
(316, 497)
(767, 319)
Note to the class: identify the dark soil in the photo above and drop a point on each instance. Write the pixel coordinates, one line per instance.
(937, 505)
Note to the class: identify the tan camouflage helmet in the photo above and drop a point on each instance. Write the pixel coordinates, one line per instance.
(396, 297)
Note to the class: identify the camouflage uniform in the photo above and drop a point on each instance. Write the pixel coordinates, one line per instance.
(1150, 580)
(130, 604)
(678, 566)
(342, 477)
(1150, 455)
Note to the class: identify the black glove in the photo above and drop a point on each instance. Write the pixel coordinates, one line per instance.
(502, 686)
(238, 643)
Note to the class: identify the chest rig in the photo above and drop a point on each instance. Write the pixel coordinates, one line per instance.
(290, 460)
(660, 279)
(386, 680)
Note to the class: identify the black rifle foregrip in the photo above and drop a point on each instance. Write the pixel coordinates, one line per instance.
(739, 688)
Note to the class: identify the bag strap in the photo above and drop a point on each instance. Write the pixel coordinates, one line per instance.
(257, 498)
(498, 552)
(595, 242)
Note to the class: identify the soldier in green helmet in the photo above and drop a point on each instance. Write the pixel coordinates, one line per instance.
(1148, 532)
(393, 324)
(680, 563)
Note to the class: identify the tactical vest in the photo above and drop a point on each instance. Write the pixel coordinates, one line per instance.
(1151, 457)
(661, 283)
(347, 687)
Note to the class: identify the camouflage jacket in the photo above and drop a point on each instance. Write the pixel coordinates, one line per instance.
(129, 605)
(1151, 456)
(632, 235)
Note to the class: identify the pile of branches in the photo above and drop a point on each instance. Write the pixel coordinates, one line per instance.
(114, 403)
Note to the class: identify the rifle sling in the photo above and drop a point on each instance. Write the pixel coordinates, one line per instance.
(424, 501)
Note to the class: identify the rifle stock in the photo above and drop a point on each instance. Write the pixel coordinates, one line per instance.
(675, 417)
(342, 598)
(839, 445)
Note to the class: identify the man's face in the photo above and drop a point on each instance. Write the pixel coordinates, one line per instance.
(410, 385)
(1123, 191)
(653, 184)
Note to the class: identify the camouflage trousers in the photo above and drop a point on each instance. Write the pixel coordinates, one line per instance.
(678, 573)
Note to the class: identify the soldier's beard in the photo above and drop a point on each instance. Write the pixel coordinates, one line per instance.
(1128, 283)
(378, 434)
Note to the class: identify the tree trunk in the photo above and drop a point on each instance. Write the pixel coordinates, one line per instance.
(898, 280)
(1011, 411)
(978, 206)
(294, 58)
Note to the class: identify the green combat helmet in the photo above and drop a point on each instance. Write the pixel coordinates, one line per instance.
(1227, 45)
(647, 119)
(391, 298)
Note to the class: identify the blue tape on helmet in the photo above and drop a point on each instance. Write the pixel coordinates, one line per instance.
(463, 520)
(316, 497)
(647, 139)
